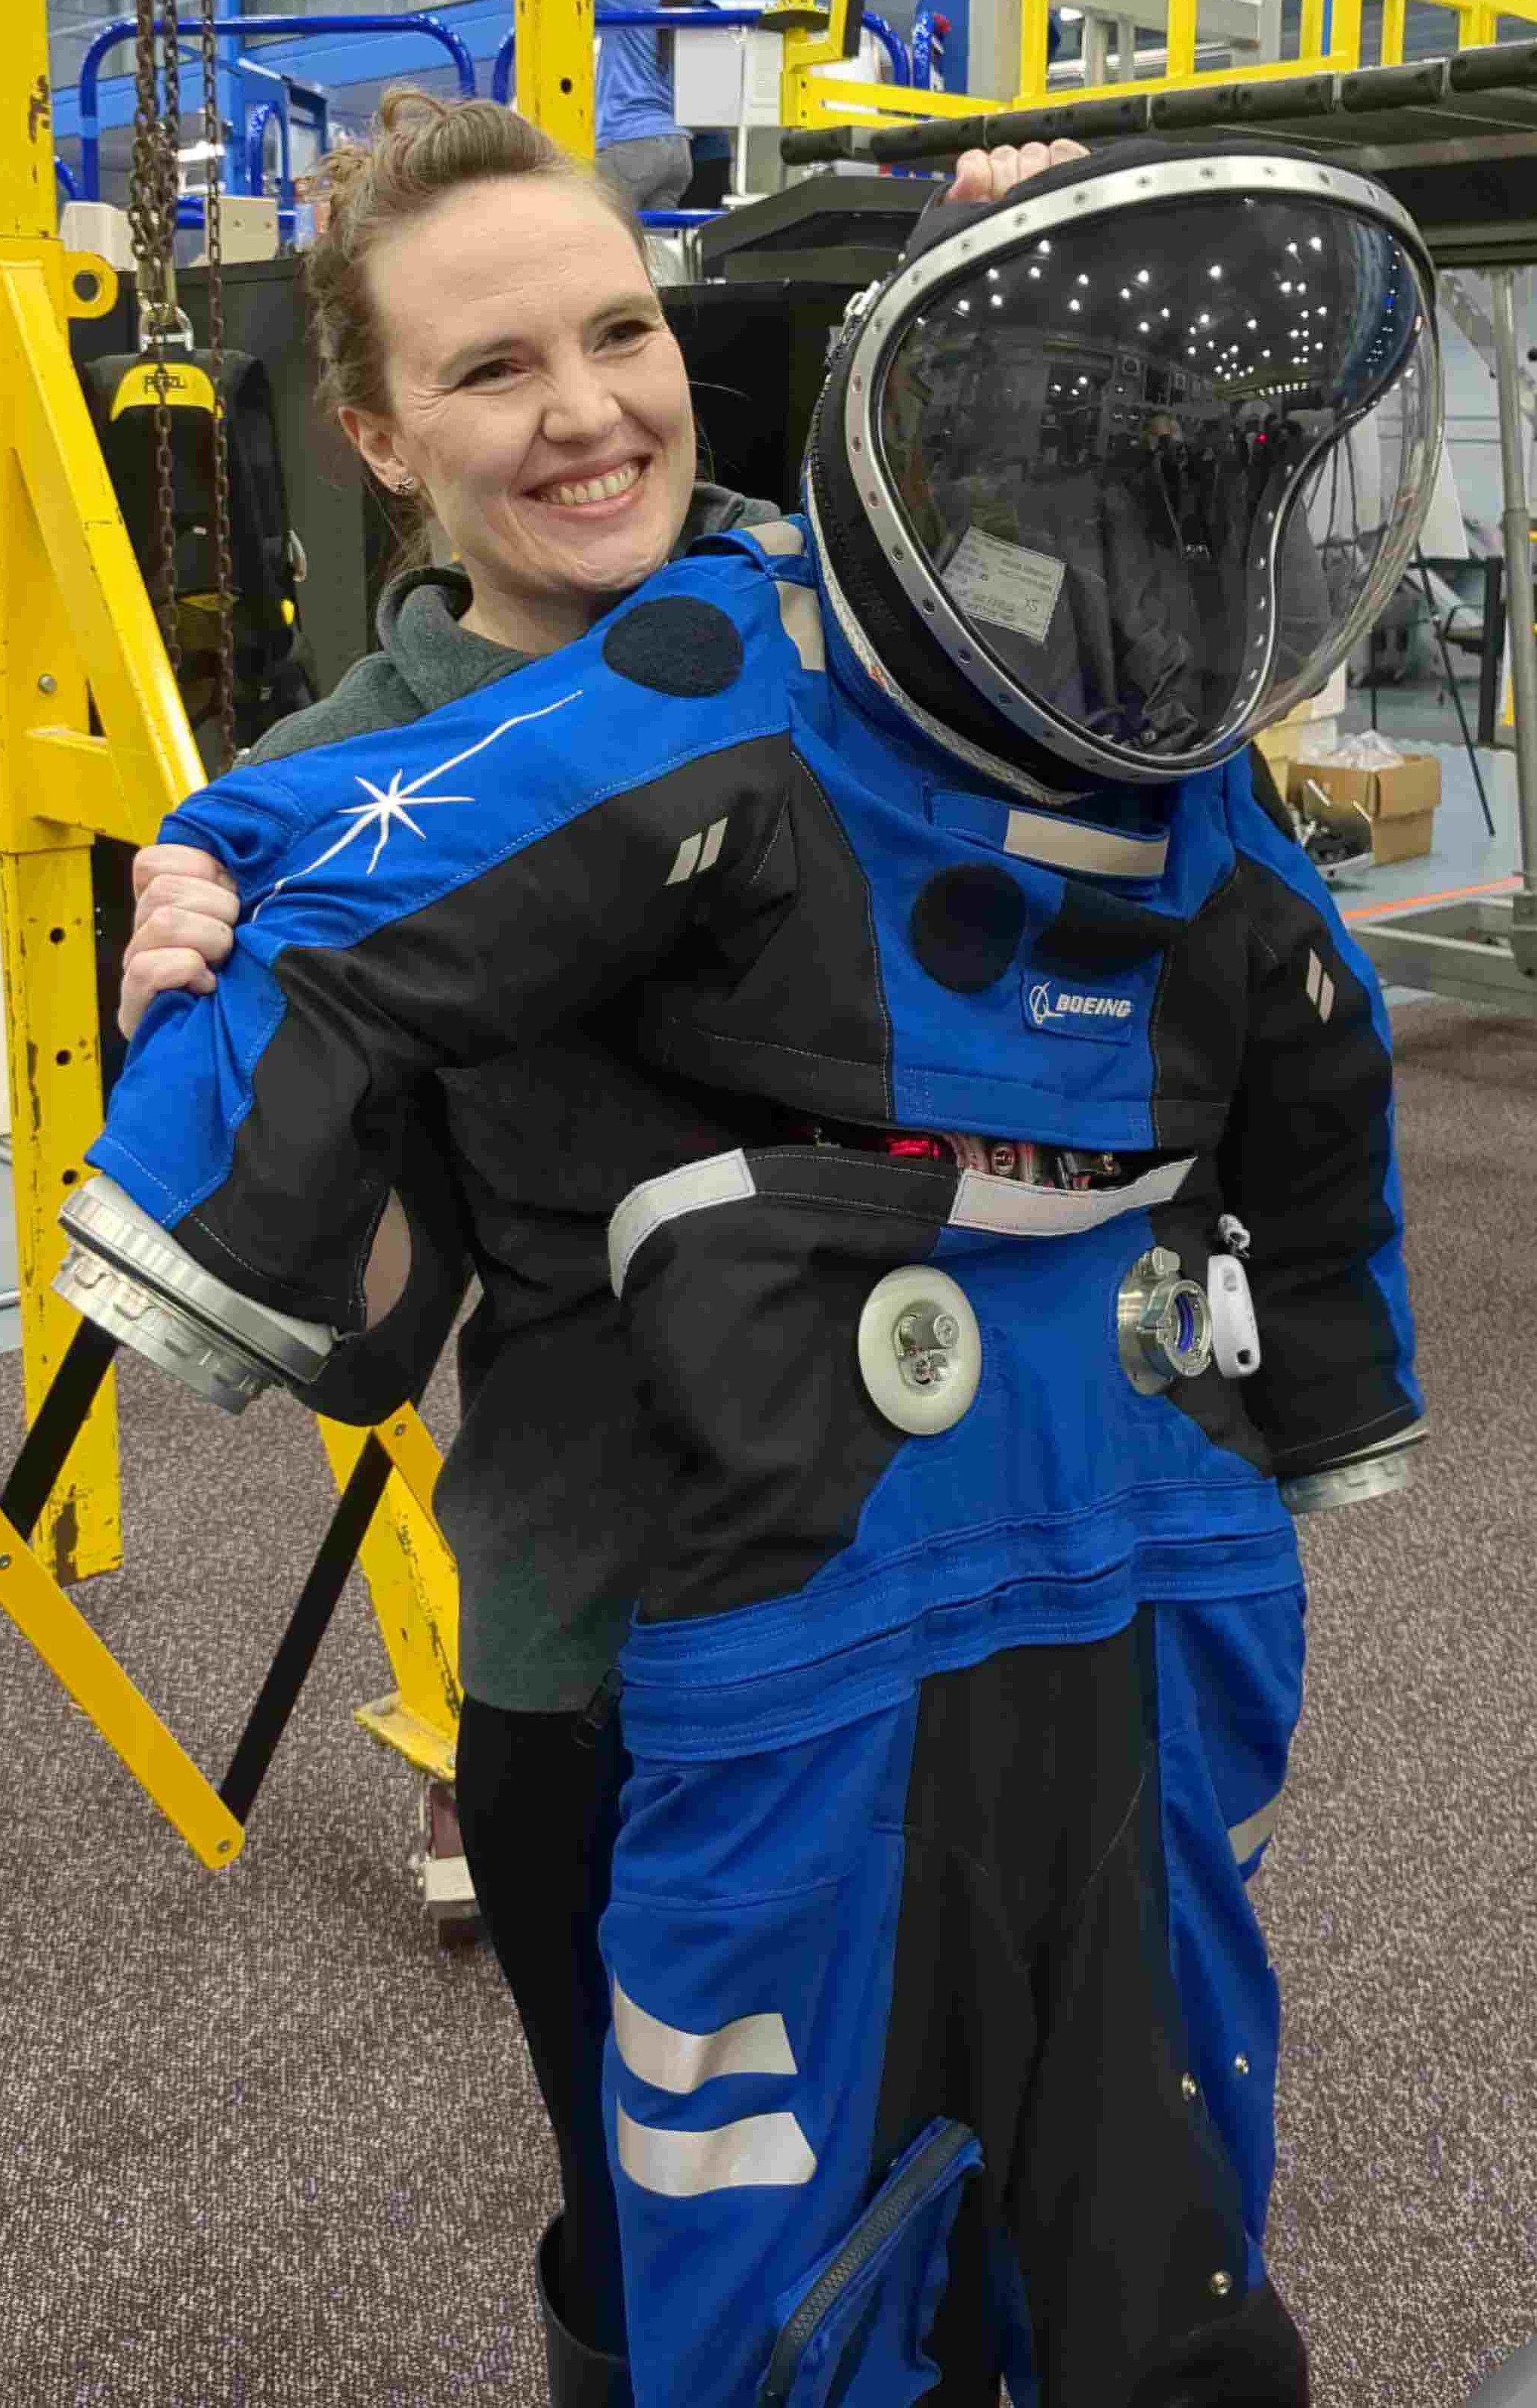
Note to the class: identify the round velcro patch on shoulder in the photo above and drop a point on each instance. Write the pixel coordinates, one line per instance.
(966, 928)
(675, 645)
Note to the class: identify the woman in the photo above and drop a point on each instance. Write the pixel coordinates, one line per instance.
(492, 346)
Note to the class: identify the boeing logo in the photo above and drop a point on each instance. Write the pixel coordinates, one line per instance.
(1049, 1006)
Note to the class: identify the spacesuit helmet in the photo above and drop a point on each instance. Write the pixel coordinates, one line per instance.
(1112, 473)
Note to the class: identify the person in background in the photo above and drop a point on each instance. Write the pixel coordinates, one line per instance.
(641, 146)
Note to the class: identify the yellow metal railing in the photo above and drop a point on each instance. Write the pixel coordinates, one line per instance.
(94, 742)
(1328, 44)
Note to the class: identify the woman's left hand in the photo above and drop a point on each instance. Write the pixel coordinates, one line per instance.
(987, 175)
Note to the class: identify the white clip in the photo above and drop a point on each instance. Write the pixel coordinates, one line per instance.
(1235, 1334)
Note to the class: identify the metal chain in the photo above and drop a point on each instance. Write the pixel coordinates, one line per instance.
(151, 219)
(213, 207)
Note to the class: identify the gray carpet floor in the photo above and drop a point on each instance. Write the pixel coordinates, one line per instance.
(263, 2143)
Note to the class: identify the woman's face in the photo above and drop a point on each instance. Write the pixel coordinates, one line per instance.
(539, 398)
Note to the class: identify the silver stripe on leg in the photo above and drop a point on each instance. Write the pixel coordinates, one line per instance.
(1247, 1836)
(713, 839)
(720, 1178)
(756, 2153)
(1068, 844)
(682, 2061)
(1012, 1209)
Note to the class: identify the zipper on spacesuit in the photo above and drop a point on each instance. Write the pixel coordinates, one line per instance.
(868, 2236)
(600, 1705)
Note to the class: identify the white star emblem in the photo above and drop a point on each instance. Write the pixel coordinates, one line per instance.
(386, 809)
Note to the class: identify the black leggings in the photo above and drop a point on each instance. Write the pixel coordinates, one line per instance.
(539, 1813)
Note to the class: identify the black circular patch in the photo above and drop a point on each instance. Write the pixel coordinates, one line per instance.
(675, 646)
(966, 928)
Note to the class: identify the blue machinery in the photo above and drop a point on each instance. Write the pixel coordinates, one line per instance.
(123, 29)
(246, 170)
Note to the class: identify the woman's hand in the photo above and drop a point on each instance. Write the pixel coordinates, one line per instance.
(987, 175)
(186, 907)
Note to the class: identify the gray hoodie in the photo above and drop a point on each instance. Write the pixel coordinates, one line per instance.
(549, 1491)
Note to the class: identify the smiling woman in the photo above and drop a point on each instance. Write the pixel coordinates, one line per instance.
(491, 342)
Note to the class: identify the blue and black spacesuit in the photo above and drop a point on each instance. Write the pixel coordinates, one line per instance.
(962, 1682)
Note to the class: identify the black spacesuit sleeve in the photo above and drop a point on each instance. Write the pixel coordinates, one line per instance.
(1307, 1165)
(391, 1363)
(536, 939)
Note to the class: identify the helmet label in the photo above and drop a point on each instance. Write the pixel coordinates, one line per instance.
(1003, 585)
(1075, 1012)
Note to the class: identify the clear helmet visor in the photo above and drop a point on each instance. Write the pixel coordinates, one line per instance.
(1159, 473)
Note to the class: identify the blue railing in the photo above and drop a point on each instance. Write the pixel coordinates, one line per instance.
(929, 32)
(123, 29)
(71, 190)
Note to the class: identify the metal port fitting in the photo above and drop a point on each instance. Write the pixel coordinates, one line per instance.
(1163, 1324)
(919, 1350)
(123, 1272)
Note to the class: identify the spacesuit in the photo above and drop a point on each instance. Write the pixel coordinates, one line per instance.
(1064, 1255)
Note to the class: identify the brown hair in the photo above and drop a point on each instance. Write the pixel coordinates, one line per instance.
(420, 147)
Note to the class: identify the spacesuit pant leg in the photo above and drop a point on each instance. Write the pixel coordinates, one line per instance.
(854, 1973)
(1226, 1676)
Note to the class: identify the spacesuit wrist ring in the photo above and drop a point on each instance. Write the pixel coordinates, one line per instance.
(123, 1272)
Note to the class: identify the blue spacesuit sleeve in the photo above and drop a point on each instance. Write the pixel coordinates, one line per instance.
(1308, 1165)
(427, 899)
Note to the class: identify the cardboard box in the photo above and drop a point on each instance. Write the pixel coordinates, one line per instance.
(1400, 802)
(1403, 838)
(1410, 790)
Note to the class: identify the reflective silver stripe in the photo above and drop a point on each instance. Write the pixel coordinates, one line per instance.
(781, 539)
(1067, 844)
(686, 861)
(1002, 1205)
(801, 617)
(1246, 1837)
(757, 2151)
(722, 1179)
(713, 836)
(671, 2059)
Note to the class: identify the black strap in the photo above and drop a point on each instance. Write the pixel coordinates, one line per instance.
(328, 1575)
(60, 1417)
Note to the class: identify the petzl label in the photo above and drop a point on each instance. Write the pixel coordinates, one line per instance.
(1004, 585)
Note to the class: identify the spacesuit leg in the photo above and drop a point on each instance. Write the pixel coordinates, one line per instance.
(851, 1977)
(750, 1947)
(1228, 1680)
(1104, 2249)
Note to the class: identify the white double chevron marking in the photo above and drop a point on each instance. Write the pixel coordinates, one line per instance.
(1320, 987)
(697, 852)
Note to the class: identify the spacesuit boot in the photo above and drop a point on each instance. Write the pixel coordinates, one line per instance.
(579, 2377)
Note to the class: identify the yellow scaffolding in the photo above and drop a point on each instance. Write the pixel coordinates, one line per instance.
(1328, 44)
(81, 652)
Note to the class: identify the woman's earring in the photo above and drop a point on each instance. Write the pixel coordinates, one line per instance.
(406, 485)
